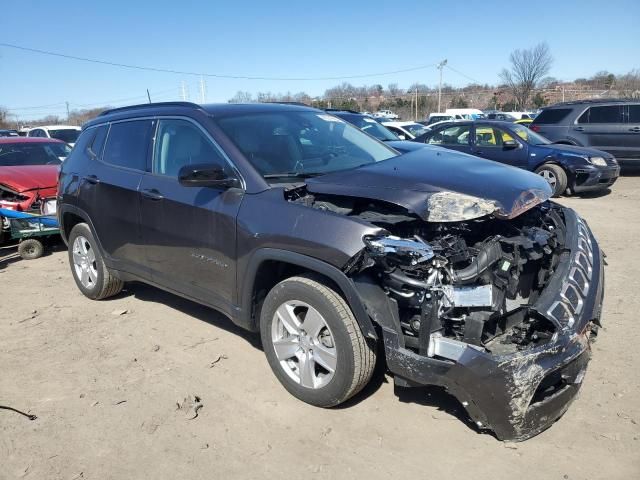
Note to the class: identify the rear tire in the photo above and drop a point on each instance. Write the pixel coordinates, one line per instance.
(89, 271)
(323, 358)
(555, 176)
(30, 249)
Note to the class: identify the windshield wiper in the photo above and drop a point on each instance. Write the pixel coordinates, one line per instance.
(292, 175)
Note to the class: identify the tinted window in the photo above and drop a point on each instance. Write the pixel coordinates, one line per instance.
(604, 114)
(455, 135)
(127, 144)
(554, 115)
(16, 154)
(66, 135)
(95, 148)
(180, 143)
(634, 113)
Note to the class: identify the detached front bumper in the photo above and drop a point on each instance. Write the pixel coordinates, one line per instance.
(591, 178)
(518, 395)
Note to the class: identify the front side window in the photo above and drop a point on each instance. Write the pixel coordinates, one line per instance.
(604, 114)
(20, 154)
(180, 143)
(300, 143)
(529, 136)
(455, 135)
(416, 129)
(128, 143)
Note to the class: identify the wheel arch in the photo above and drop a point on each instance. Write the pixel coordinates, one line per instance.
(269, 266)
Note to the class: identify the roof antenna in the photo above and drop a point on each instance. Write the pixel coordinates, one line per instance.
(148, 96)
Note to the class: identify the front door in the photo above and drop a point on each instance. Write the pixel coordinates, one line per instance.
(189, 232)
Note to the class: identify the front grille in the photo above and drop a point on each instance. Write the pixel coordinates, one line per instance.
(576, 285)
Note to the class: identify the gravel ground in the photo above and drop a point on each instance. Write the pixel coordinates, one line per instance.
(116, 386)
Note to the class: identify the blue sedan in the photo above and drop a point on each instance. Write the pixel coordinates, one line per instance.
(567, 168)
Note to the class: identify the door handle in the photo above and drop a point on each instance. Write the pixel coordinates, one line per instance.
(152, 194)
(92, 179)
(579, 129)
(635, 129)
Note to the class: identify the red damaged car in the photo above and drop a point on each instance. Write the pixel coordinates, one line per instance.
(29, 174)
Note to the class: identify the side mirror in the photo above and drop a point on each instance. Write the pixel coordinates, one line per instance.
(510, 144)
(206, 175)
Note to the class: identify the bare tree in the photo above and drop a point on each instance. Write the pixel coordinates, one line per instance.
(241, 97)
(528, 67)
(628, 85)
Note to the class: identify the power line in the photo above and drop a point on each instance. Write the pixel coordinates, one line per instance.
(216, 75)
(463, 75)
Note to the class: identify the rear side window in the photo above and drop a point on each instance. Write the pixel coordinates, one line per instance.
(603, 114)
(634, 113)
(455, 135)
(554, 115)
(128, 144)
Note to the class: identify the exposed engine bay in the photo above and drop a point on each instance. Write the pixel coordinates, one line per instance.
(472, 281)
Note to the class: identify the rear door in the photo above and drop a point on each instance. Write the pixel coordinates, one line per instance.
(111, 185)
(455, 137)
(602, 127)
(633, 136)
(189, 232)
(489, 143)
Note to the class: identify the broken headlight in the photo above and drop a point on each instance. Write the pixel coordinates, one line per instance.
(457, 207)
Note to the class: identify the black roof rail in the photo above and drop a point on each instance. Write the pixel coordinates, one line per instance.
(150, 105)
(300, 104)
(341, 110)
(591, 100)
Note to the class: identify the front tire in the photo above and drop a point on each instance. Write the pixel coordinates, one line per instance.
(313, 342)
(89, 271)
(555, 176)
(30, 249)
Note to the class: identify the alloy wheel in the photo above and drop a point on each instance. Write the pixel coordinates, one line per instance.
(304, 344)
(550, 177)
(84, 262)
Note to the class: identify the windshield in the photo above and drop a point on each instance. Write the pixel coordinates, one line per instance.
(18, 154)
(416, 129)
(529, 135)
(370, 126)
(301, 143)
(66, 135)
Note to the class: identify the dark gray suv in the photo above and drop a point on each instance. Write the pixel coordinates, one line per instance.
(452, 270)
(609, 125)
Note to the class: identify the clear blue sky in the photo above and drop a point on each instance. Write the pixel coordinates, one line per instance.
(292, 39)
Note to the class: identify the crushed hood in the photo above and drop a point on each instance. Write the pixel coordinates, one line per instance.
(29, 177)
(410, 180)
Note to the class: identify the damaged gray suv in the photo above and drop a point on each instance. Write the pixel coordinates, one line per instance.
(458, 271)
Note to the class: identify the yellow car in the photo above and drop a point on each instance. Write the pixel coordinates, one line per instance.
(525, 122)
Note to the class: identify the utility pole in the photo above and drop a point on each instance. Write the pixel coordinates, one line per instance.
(202, 90)
(563, 93)
(148, 95)
(67, 103)
(183, 91)
(440, 67)
(416, 118)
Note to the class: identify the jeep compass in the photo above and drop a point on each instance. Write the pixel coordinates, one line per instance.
(457, 271)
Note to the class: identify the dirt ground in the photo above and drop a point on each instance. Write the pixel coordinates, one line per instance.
(114, 387)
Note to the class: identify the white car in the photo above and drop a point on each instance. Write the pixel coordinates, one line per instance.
(406, 130)
(386, 114)
(66, 133)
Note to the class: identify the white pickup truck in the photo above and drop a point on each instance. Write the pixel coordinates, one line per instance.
(386, 114)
